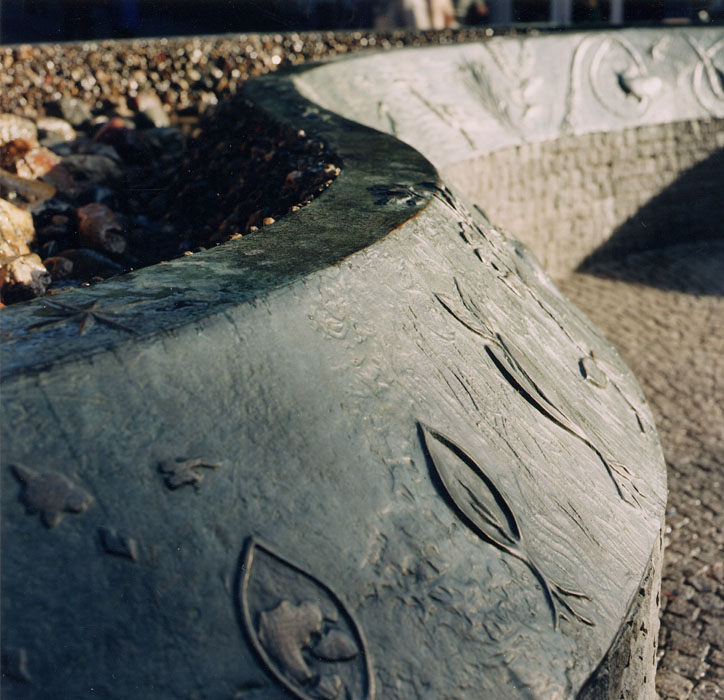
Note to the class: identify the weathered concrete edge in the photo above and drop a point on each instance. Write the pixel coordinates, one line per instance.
(628, 670)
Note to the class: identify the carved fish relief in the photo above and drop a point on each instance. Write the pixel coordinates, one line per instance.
(482, 506)
(304, 635)
(517, 371)
(49, 494)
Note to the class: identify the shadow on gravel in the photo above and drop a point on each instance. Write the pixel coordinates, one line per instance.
(676, 240)
(693, 268)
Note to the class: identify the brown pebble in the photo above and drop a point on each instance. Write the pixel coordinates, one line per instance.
(99, 228)
(13, 151)
(293, 178)
(268, 221)
(58, 267)
(87, 262)
(59, 178)
(106, 133)
(25, 193)
(27, 159)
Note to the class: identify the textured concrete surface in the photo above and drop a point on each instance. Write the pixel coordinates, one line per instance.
(663, 310)
(390, 417)
(618, 82)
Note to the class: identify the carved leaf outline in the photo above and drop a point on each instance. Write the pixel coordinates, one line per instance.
(511, 368)
(331, 647)
(482, 506)
(485, 509)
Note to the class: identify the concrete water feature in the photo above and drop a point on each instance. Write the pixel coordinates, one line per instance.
(425, 473)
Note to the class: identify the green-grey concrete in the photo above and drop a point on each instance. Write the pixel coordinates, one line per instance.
(370, 451)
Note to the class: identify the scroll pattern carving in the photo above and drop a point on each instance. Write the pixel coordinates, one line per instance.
(626, 81)
(617, 74)
(708, 77)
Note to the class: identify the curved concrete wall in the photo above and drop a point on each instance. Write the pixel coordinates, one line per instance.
(425, 473)
(562, 140)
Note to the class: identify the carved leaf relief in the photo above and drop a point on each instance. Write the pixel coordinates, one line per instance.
(303, 634)
(521, 104)
(483, 507)
(518, 370)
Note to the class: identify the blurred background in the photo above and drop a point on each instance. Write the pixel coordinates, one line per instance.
(64, 20)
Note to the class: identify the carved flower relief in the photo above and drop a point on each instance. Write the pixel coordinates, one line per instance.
(309, 642)
(617, 74)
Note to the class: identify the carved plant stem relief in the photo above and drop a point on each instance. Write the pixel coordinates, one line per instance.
(512, 369)
(485, 510)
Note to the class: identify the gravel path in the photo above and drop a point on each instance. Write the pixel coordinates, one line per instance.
(664, 311)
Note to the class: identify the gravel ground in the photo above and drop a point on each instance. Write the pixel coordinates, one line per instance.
(187, 73)
(664, 311)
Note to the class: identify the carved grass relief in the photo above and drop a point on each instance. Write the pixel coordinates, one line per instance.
(516, 370)
(483, 507)
(307, 639)
(521, 105)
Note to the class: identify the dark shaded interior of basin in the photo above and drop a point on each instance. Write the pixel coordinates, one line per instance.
(581, 200)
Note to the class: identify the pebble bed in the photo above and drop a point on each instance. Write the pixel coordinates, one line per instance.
(128, 153)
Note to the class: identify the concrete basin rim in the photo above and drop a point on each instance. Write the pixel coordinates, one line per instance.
(300, 244)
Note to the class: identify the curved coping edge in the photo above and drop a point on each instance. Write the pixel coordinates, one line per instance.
(357, 210)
